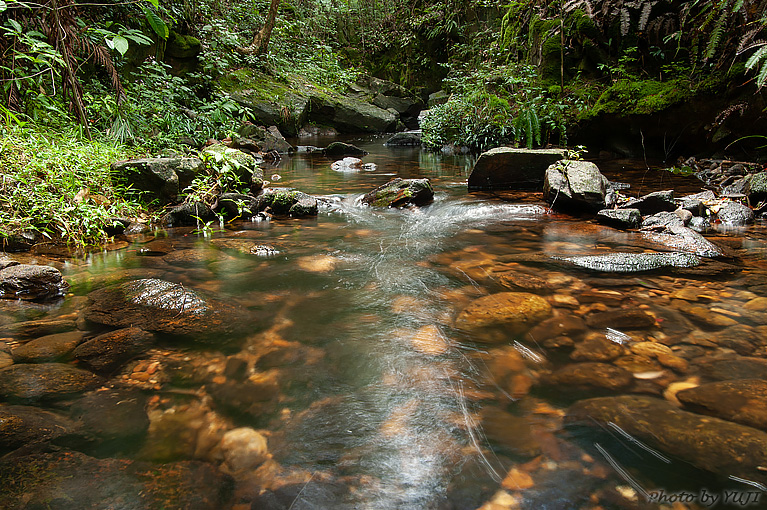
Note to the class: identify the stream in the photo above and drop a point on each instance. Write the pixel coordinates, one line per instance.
(367, 394)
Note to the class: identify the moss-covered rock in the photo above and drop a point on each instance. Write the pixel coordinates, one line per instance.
(287, 201)
(182, 46)
(401, 192)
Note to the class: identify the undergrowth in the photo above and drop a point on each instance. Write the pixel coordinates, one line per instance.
(61, 186)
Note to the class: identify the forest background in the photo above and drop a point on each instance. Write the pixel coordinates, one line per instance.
(87, 83)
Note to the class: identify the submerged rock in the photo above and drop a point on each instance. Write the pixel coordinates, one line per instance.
(26, 382)
(512, 168)
(31, 282)
(590, 376)
(109, 351)
(709, 443)
(23, 425)
(112, 414)
(576, 185)
(165, 307)
(742, 401)
(632, 262)
(350, 164)
(70, 479)
(516, 311)
(511, 433)
(54, 347)
(401, 192)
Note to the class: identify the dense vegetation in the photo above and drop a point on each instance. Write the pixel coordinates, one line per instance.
(86, 83)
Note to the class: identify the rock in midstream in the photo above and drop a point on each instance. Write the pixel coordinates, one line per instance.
(31, 282)
(165, 307)
(712, 444)
(632, 262)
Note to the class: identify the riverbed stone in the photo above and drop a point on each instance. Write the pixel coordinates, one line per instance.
(68, 479)
(711, 444)
(405, 139)
(56, 347)
(401, 192)
(343, 149)
(112, 414)
(109, 351)
(188, 214)
(287, 202)
(575, 185)
(512, 168)
(620, 218)
(516, 311)
(26, 330)
(680, 238)
(31, 282)
(596, 347)
(165, 307)
(741, 401)
(757, 187)
(590, 376)
(662, 220)
(23, 425)
(560, 325)
(733, 367)
(734, 214)
(28, 382)
(652, 202)
(519, 281)
(242, 449)
(632, 262)
(622, 318)
(351, 164)
(511, 433)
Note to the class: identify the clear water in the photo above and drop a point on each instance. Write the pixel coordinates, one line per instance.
(377, 395)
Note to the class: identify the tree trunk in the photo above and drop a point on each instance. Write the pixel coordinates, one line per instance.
(261, 40)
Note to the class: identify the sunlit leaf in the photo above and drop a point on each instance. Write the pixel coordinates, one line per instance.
(157, 24)
(120, 44)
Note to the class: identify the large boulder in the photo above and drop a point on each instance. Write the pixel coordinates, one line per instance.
(401, 192)
(165, 307)
(349, 115)
(343, 149)
(511, 168)
(576, 185)
(159, 178)
(261, 139)
(31, 282)
(715, 445)
(516, 311)
(286, 201)
(188, 214)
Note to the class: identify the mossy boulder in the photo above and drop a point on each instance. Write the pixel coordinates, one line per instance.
(182, 46)
(286, 201)
(576, 185)
(159, 178)
(401, 192)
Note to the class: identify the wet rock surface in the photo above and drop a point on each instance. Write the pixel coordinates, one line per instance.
(27, 425)
(165, 307)
(400, 192)
(633, 262)
(111, 350)
(575, 185)
(517, 311)
(512, 168)
(31, 282)
(712, 444)
(26, 382)
(741, 401)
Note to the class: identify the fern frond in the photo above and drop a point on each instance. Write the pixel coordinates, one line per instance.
(758, 56)
(716, 36)
(645, 14)
(625, 21)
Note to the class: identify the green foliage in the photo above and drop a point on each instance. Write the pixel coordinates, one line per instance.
(60, 185)
(494, 106)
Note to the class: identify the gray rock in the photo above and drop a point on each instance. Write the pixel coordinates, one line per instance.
(348, 114)
(407, 106)
(699, 224)
(653, 202)
(680, 238)
(632, 262)
(236, 205)
(31, 282)
(709, 443)
(262, 139)
(26, 382)
(734, 214)
(512, 168)
(620, 218)
(240, 163)
(165, 307)
(405, 138)
(757, 187)
(575, 185)
(662, 220)
(350, 164)
(438, 98)
(401, 192)
(108, 352)
(160, 178)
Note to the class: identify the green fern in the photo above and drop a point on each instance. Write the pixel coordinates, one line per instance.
(759, 58)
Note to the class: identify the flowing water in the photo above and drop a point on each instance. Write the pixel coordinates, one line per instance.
(369, 396)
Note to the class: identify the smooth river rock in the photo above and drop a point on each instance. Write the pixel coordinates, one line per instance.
(48, 348)
(21, 425)
(517, 311)
(711, 444)
(109, 351)
(45, 381)
(165, 307)
(743, 401)
(590, 376)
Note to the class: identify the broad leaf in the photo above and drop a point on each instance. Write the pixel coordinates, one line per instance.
(120, 44)
(157, 24)
(3, 6)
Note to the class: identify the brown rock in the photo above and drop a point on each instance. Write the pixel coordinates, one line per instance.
(579, 376)
(109, 351)
(623, 318)
(518, 311)
(48, 348)
(512, 433)
(742, 401)
(596, 347)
